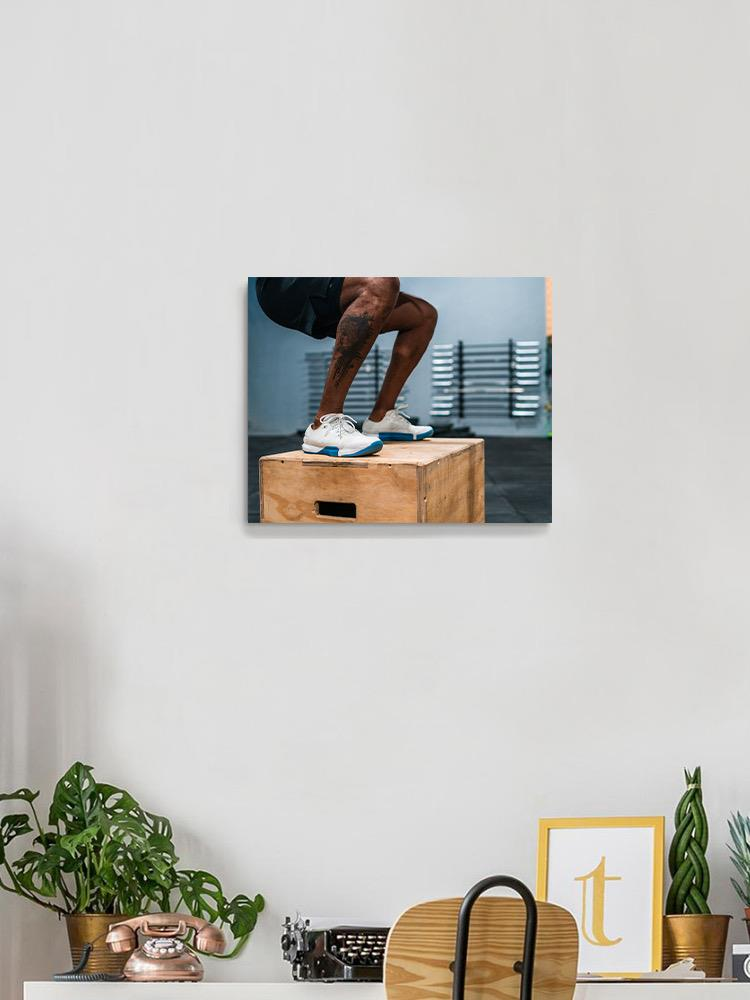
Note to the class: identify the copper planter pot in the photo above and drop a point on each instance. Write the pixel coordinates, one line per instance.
(92, 928)
(701, 936)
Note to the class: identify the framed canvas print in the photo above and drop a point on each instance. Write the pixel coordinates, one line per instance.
(399, 400)
(608, 872)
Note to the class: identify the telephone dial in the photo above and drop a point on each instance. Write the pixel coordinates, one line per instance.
(164, 954)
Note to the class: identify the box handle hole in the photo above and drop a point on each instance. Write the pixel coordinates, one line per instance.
(332, 508)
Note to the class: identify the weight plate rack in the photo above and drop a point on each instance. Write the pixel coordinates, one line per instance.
(486, 381)
(364, 388)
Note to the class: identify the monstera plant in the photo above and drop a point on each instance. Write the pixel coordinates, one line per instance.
(689, 926)
(102, 853)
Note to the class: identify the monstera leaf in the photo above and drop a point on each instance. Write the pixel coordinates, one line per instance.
(75, 802)
(20, 795)
(58, 859)
(160, 855)
(38, 872)
(241, 913)
(124, 880)
(15, 825)
(202, 894)
(159, 825)
(118, 805)
(73, 842)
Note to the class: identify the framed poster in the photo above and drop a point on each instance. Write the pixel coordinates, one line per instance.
(401, 400)
(608, 872)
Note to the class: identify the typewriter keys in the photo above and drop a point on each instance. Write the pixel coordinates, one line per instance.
(334, 954)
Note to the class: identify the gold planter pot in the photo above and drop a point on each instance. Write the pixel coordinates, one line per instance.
(701, 936)
(92, 928)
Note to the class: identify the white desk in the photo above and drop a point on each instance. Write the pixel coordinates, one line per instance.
(693, 990)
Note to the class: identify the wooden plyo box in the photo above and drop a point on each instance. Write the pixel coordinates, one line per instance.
(439, 480)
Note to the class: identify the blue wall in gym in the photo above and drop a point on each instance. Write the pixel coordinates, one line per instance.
(477, 310)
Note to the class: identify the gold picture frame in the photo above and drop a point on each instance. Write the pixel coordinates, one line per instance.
(598, 878)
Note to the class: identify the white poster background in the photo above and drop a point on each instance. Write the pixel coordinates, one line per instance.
(628, 902)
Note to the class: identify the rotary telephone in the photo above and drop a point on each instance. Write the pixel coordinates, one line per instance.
(164, 954)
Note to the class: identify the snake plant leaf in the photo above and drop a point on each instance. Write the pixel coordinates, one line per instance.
(679, 844)
(742, 855)
(739, 829)
(741, 891)
(739, 863)
(75, 801)
(691, 880)
(696, 901)
(20, 795)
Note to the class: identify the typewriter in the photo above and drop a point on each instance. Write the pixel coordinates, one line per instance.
(334, 954)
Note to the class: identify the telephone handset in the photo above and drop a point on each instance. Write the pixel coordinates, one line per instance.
(164, 955)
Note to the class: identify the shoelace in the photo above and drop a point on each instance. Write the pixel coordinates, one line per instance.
(401, 412)
(339, 423)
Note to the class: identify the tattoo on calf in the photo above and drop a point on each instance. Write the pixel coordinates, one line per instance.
(353, 338)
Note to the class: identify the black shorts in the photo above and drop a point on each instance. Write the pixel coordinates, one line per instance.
(310, 305)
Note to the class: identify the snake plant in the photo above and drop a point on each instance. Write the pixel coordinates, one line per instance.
(688, 892)
(739, 828)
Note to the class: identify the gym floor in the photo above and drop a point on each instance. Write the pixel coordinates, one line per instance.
(518, 474)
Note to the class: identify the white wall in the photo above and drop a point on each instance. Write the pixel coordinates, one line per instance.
(155, 153)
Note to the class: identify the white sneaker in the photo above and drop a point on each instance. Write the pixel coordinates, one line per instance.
(395, 426)
(338, 436)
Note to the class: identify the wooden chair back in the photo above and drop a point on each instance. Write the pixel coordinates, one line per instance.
(422, 943)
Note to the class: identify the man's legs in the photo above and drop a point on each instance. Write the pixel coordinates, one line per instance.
(372, 306)
(367, 303)
(415, 321)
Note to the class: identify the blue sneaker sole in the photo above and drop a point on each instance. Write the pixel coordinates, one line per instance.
(387, 436)
(371, 449)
